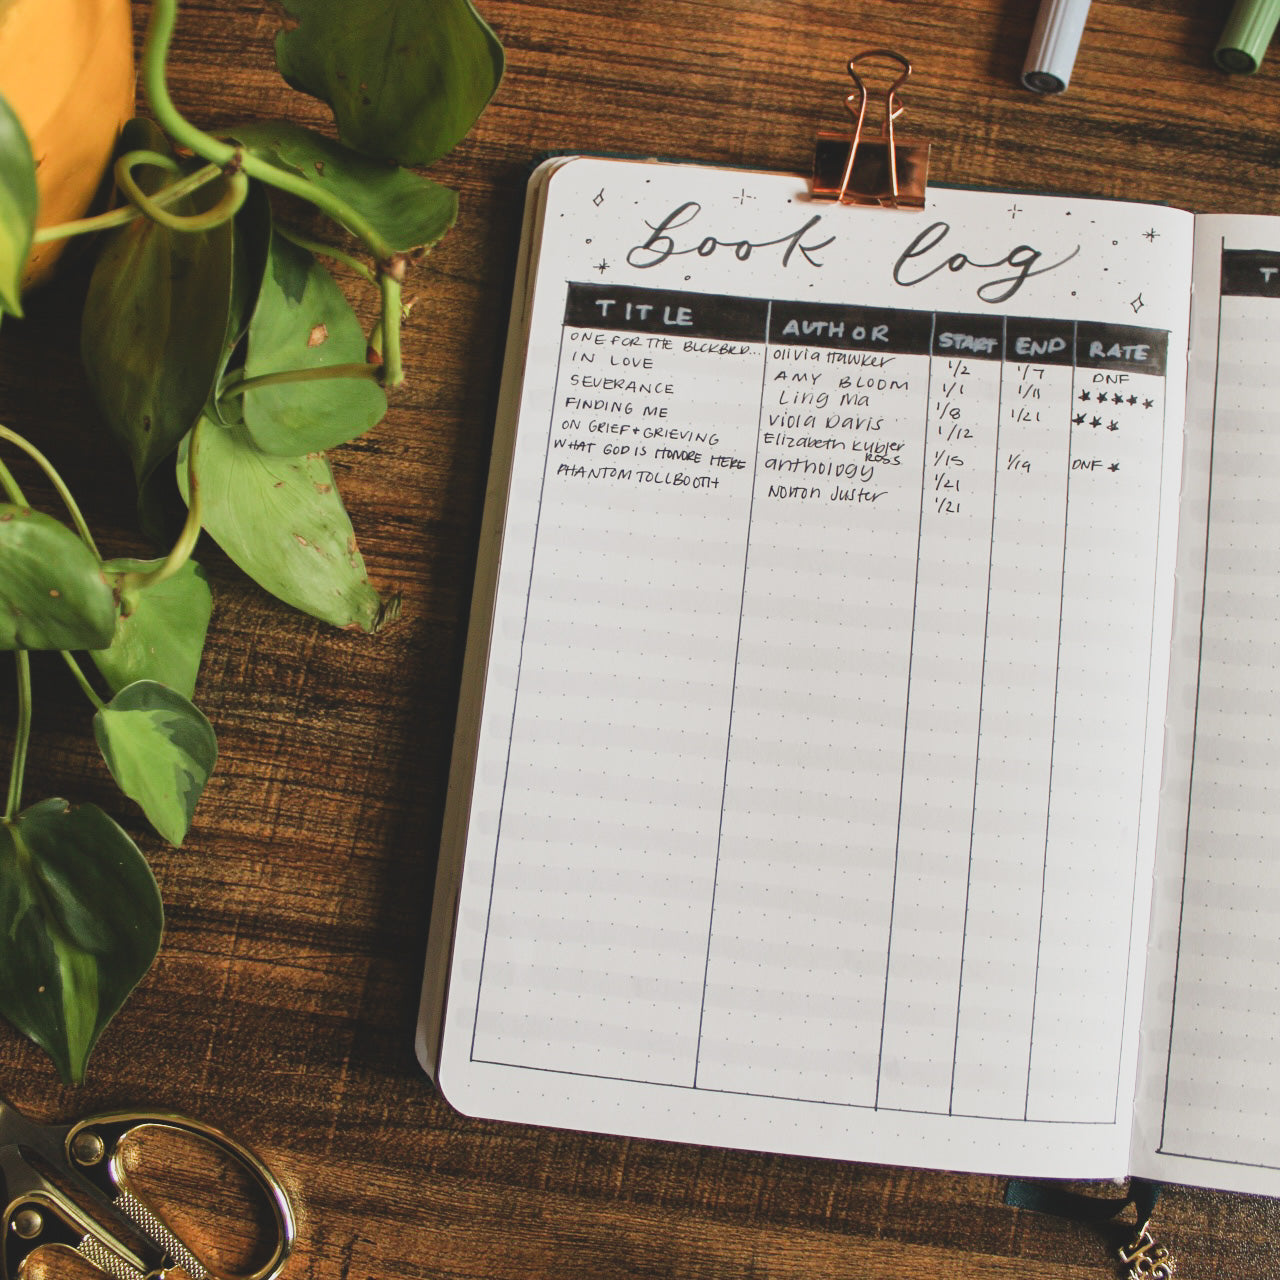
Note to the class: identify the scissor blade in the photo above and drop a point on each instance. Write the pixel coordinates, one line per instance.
(17, 1131)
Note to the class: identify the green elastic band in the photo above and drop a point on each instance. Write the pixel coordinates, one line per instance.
(1048, 1197)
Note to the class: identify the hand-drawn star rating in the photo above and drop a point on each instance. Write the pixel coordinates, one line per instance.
(1103, 397)
(1110, 410)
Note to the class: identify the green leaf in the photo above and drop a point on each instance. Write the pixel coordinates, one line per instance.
(155, 322)
(409, 211)
(18, 206)
(250, 252)
(53, 593)
(161, 629)
(406, 78)
(161, 510)
(303, 322)
(282, 521)
(80, 924)
(161, 750)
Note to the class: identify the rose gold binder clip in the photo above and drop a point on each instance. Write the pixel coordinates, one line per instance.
(887, 172)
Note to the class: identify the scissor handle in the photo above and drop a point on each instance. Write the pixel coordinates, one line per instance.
(94, 1148)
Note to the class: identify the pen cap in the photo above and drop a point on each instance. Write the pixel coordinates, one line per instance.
(1054, 41)
(1246, 36)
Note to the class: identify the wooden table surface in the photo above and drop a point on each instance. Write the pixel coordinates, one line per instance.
(282, 1005)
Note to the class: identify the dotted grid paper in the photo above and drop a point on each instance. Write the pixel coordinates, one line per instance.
(812, 794)
(1213, 1025)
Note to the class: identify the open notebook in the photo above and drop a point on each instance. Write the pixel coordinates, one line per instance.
(870, 716)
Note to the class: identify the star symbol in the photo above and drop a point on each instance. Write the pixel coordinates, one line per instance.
(1117, 399)
(1113, 425)
(1115, 466)
(1147, 404)
(1078, 419)
(1095, 422)
(1084, 395)
(1133, 400)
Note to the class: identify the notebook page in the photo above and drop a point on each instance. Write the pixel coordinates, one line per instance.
(815, 777)
(1212, 1025)
(453, 835)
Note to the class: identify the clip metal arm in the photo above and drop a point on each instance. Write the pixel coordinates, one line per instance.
(886, 172)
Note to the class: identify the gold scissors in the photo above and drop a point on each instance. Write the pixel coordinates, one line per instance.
(68, 1186)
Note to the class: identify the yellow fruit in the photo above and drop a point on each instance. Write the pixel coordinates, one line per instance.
(66, 68)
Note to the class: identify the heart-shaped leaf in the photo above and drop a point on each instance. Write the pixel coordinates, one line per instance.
(82, 924)
(407, 210)
(283, 522)
(155, 321)
(53, 593)
(161, 629)
(161, 750)
(304, 322)
(18, 205)
(406, 79)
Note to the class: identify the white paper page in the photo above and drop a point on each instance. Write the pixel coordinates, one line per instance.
(815, 784)
(453, 836)
(1207, 1110)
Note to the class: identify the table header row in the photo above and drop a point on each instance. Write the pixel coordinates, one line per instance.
(852, 328)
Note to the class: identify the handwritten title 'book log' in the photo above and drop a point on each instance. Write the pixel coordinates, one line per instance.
(869, 720)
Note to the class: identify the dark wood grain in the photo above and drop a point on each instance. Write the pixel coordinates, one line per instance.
(282, 1005)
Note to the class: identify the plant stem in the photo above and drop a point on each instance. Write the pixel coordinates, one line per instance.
(182, 549)
(392, 369)
(82, 680)
(127, 213)
(21, 736)
(371, 372)
(11, 485)
(160, 27)
(222, 211)
(325, 251)
(155, 52)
